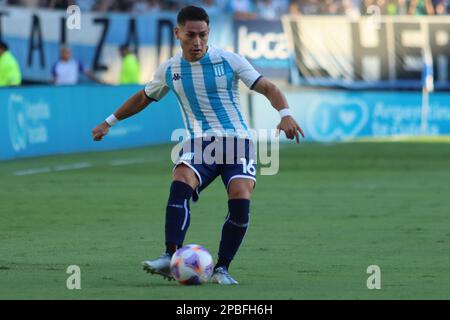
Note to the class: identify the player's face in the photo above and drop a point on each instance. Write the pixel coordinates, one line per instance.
(193, 36)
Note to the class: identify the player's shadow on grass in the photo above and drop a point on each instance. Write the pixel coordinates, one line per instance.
(149, 284)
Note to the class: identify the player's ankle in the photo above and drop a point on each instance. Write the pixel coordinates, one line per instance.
(222, 263)
(171, 248)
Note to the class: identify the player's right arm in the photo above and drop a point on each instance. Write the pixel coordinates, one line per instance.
(153, 91)
(135, 104)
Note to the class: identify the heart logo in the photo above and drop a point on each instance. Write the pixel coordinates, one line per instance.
(337, 119)
(347, 117)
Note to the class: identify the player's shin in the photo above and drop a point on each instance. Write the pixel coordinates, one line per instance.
(233, 230)
(177, 215)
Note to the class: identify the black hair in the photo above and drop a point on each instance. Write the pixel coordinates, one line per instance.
(124, 47)
(3, 46)
(192, 13)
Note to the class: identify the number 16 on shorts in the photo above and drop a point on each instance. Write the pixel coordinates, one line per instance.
(248, 168)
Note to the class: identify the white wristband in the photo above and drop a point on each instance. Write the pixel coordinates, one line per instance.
(111, 120)
(284, 112)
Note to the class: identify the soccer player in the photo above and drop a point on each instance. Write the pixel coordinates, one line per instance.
(205, 81)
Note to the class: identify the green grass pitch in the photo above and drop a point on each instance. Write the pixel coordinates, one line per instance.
(332, 211)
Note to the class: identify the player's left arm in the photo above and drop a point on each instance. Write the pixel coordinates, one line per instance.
(279, 102)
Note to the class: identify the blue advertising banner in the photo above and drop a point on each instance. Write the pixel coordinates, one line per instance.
(263, 44)
(329, 116)
(50, 120)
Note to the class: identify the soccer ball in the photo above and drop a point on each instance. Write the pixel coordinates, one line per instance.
(191, 265)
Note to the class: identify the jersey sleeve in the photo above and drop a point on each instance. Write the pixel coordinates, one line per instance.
(243, 69)
(157, 88)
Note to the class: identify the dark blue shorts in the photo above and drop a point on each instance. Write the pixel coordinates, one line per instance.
(229, 157)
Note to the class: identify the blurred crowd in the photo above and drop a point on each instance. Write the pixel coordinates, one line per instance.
(67, 70)
(249, 9)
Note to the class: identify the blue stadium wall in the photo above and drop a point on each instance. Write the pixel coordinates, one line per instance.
(343, 115)
(37, 121)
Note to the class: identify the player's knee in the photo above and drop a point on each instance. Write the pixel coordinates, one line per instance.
(240, 189)
(186, 175)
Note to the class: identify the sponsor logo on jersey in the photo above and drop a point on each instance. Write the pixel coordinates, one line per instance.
(176, 77)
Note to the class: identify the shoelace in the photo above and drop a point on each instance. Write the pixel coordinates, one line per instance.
(164, 255)
(225, 273)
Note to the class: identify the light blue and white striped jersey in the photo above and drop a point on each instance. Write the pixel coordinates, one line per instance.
(207, 91)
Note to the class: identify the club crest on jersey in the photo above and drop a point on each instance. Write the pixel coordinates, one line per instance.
(176, 77)
(218, 69)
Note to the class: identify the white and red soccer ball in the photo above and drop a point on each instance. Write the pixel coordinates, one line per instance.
(191, 265)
